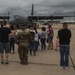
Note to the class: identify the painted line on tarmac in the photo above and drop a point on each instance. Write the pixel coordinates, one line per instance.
(73, 65)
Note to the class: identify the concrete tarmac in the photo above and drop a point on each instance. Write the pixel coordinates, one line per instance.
(44, 63)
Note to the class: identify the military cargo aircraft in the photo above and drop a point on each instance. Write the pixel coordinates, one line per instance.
(31, 19)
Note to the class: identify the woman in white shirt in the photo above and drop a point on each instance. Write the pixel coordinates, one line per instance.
(36, 41)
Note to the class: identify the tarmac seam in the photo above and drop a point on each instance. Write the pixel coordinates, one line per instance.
(73, 65)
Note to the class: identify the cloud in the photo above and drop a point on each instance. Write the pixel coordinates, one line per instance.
(23, 7)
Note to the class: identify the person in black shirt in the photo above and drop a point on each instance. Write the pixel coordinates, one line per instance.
(31, 46)
(4, 33)
(64, 40)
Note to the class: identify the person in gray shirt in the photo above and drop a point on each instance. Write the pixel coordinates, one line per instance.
(43, 38)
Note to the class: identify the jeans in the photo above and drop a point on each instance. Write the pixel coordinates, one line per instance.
(12, 44)
(0, 47)
(36, 45)
(64, 55)
(43, 43)
(31, 47)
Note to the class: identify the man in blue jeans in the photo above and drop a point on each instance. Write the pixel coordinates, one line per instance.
(64, 35)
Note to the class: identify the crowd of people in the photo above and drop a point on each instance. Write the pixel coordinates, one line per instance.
(29, 40)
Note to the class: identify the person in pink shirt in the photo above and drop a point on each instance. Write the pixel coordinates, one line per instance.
(57, 43)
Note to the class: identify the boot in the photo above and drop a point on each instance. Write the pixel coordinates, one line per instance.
(34, 53)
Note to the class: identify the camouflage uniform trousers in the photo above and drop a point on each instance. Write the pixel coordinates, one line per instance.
(23, 54)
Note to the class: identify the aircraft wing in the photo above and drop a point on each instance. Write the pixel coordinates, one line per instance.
(45, 17)
(4, 17)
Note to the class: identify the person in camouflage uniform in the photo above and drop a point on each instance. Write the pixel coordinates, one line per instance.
(23, 39)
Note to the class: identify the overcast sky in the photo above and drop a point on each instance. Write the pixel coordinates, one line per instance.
(23, 7)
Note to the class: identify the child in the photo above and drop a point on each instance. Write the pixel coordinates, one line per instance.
(57, 43)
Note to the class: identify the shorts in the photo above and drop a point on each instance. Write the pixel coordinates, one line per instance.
(50, 38)
(4, 47)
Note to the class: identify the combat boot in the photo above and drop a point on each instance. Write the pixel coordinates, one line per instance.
(30, 52)
(34, 54)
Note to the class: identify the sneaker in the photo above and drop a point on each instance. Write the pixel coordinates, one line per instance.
(6, 62)
(2, 62)
(61, 67)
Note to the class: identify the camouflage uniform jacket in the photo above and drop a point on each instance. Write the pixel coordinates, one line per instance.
(23, 38)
